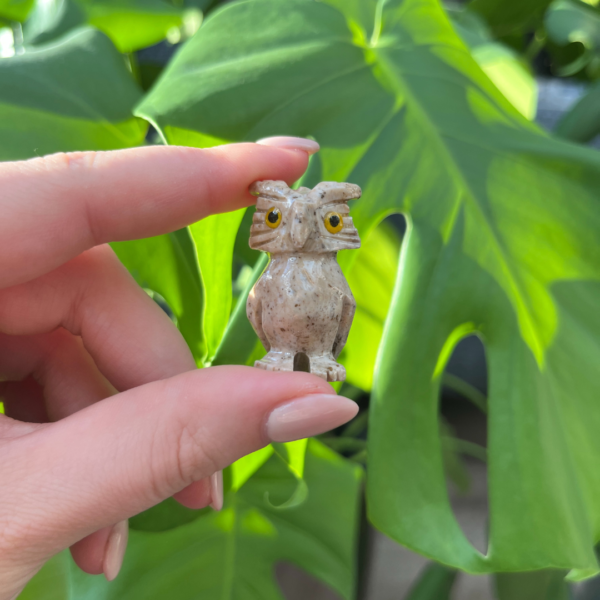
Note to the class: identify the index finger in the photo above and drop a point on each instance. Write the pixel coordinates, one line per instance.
(54, 208)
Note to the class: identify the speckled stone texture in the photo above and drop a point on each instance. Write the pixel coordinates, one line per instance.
(302, 308)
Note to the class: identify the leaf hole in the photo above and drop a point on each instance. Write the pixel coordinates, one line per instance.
(463, 423)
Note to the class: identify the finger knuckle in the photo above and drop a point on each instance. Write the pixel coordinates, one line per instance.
(92, 272)
(181, 454)
(195, 455)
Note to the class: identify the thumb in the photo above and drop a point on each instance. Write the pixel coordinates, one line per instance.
(125, 454)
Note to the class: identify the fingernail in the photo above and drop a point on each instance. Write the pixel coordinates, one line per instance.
(291, 143)
(216, 490)
(308, 416)
(115, 550)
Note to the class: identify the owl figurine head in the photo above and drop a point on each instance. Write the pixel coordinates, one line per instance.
(303, 220)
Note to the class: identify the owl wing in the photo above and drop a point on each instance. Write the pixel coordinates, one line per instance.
(254, 312)
(348, 310)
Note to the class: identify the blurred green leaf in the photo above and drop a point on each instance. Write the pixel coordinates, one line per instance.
(506, 16)
(536, 585)
(454, 466)
(344, 444)
(502, 241)
(231, 555)
(435, 583)
(246, 466)
(53, 581)
(167, 264)
(582, 122)
(164, 516)
(465, 389)
(239, 340)
(371, 278)
(586, 590)
(569, 22)
(51, 20)
(214, 237)
(203, 5)
(130, 24)
(453, 449)
(291, 456)
(74, 95)
(507, 70)
(242, 251)
(15, 10)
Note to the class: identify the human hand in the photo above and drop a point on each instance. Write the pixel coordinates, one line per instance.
(106, 414)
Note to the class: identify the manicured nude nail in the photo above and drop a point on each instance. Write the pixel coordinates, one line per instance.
(291, 143)
(115, 550)
(216, 490)
(308, 416)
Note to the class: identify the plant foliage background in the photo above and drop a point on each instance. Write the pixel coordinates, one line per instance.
(427, 108)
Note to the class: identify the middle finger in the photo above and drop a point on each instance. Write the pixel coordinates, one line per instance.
(130, 338)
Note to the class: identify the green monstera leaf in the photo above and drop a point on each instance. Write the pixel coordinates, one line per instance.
(214, 237)
(130, 24)
(507, 70)
(506, 16)
(370, 274)
(167, 264)
(537, 585)
(76, 94)
(504, 223)
(575, 26)
(582, 122)
(435, 583)
(15, 10)
(231, 555)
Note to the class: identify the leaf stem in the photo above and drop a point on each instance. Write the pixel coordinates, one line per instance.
(17, 37)
(535, 46)
(465, 389)
(378, 23)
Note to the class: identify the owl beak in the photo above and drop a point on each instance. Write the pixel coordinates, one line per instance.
(300, 230)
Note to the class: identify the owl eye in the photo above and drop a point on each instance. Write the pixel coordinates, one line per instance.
(273, 218)
(333, 222)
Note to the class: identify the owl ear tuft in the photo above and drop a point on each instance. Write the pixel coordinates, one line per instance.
(277, 190)
(332, 191)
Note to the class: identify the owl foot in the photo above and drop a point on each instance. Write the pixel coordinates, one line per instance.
(327, 368)
(275, 362)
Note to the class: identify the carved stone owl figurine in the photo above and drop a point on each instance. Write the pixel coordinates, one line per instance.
(302, 308)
